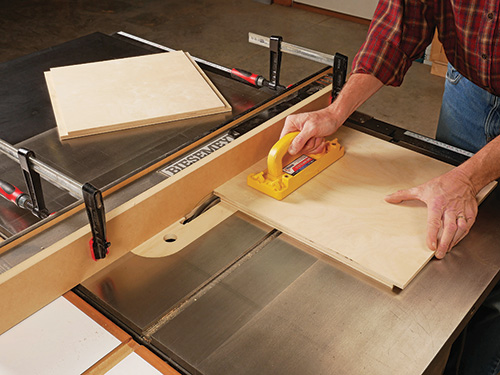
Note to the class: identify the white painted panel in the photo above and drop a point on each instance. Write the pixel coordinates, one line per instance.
(358, 8)
(58, 339)
(133, 365)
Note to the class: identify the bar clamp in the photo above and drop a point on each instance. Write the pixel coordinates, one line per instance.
(33, 183)
(33, 169)
(94, 206)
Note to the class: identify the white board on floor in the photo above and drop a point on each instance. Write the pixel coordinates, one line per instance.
(57, 340)
(133, 365)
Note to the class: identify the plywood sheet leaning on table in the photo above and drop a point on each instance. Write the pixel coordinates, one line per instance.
(130, 92)
(342, 213)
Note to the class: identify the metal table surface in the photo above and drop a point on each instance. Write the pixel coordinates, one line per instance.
(27, 120)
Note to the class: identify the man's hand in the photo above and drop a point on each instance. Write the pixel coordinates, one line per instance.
(451, 208)
(313, 127)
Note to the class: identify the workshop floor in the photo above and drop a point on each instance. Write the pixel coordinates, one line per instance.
(217, 30)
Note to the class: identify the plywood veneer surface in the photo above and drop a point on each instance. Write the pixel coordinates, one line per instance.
(124, 93)
(342, 212)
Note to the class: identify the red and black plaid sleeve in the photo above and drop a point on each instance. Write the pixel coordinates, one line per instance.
(401, 30)
(399, 33)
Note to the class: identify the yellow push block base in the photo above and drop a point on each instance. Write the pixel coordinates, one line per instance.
(278, 181)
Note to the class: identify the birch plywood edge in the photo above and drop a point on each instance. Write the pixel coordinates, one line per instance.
(130, 92)
(342, 212)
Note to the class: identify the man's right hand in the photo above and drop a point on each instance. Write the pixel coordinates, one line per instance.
(313, 127)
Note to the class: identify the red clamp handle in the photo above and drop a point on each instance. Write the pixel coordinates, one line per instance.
(10, 192)
(244, 76)
(251, 78)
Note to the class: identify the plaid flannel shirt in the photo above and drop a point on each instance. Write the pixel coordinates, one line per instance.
(402, 29)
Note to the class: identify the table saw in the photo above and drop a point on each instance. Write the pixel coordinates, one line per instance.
(233, 295)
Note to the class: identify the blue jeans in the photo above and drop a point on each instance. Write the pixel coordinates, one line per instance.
(470, 118)
(470, 115)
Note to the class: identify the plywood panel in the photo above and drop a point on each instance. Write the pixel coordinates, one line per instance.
(123, 93)
(342, 211)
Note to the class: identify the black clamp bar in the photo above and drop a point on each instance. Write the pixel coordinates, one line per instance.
(339, 74)
(34, 184)
(95, 211)
(275, 61)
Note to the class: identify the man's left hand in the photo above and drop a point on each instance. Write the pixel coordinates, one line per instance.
(451, 208)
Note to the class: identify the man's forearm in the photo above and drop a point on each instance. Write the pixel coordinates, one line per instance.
(358, 89)
(484, 166)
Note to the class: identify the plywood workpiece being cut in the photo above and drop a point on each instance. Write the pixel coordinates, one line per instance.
(130, 92)
(342, 213)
